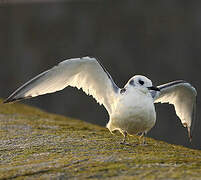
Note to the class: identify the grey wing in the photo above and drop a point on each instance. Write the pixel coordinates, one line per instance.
(85, 73)
(183, 96)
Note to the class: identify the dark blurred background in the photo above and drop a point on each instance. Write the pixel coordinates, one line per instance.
(159, 39)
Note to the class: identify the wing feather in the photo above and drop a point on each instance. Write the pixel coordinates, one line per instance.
(83, 73)
(183, 96)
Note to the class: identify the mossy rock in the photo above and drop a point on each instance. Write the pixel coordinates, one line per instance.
(38, 145)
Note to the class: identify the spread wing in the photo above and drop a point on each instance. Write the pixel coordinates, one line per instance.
(183, 96)
(85, 73)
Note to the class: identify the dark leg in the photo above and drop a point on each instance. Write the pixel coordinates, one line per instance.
(143, 142)
(124, 140)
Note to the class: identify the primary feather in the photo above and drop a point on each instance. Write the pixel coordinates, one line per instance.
(183, 96)
(85, 73)
(131, 109)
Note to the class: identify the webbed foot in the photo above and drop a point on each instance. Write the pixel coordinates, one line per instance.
(125, 143)
(124, 140)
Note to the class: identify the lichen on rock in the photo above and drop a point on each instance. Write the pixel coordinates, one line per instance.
(36, 144)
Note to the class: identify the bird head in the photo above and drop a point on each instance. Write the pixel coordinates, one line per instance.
(141, 83)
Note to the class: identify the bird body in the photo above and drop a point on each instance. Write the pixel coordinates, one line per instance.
(134, 112)
(131, 109)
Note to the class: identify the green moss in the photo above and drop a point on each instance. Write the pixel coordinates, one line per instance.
(39, 145)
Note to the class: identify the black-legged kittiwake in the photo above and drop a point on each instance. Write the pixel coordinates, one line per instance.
(131, 109)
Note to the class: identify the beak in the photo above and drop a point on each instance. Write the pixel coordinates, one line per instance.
(153, 88)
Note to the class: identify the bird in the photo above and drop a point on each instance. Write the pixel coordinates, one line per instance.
(131, 109)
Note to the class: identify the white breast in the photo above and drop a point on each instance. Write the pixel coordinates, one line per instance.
(134, 113)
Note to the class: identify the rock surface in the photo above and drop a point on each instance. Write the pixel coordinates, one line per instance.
(38, 145)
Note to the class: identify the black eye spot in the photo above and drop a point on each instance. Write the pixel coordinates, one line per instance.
(141, 82)
(131, 82)
(123, 90)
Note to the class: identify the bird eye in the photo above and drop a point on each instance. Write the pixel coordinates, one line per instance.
(141, 82)
(131, 82)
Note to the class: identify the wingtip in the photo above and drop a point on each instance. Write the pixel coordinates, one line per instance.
(5, 102)
(8, 100)
(189, 134)
(189, 131)
(11, 100)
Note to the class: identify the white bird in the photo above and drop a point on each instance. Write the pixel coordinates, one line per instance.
(131, 109)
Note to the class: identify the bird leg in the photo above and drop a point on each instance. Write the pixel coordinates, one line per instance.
(124, 139)
(144, 143)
